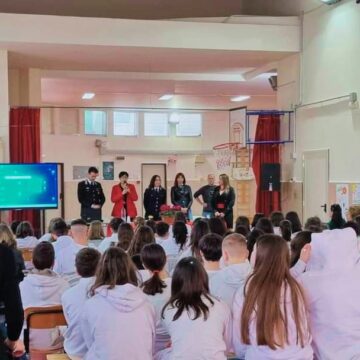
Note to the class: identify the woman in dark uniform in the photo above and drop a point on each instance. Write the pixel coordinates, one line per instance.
(223, 200)
(181, 195)
(154, 197)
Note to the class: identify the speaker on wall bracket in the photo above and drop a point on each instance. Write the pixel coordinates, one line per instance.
(270, 177)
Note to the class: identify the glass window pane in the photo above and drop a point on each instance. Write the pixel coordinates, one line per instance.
(156, 124)
(125, 123)
(95, 122)
(188, 124)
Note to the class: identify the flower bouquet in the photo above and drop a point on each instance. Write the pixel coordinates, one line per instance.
(167, 213)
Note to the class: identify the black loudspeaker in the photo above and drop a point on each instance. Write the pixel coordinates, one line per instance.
(270, 177)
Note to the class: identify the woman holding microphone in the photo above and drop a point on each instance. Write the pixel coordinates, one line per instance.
(124, 196)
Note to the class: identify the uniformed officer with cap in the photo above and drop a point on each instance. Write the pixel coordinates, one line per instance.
(91, 196)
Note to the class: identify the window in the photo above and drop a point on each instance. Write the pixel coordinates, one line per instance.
(95, 122)
(156, 124)
(125, 123)
(188, 124)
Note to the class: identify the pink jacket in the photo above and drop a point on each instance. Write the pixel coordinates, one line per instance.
(332, 288)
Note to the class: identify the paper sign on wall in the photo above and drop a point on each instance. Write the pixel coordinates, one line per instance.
(355, 190)
(342, 197)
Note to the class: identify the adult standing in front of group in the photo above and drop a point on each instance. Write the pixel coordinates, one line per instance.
(154, 197)
(124, 195)
(91, 196)
(204, 195)
(223, 200)
(181, 195)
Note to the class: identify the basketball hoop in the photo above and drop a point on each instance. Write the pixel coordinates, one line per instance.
(223, 154)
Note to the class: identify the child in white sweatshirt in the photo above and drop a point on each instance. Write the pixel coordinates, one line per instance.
(157, 288)
(25, 235)
(225, 282)
(118, 321)
(43, 287)
(199, 324)
(73, 301)
(211, 252)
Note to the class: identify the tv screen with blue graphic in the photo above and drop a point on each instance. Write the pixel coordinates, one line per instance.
(28, 186)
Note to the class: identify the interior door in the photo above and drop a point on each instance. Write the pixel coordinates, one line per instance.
(316, 181)
(147, 171)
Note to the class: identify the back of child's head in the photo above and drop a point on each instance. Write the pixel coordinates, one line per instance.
(162, 228)
(153, 258)
(336, 216)
(354, 225)
(151, 223)
(252, 238)
(180, 216)
(217, 226)
(7, 237)
(243, 221)
(314, 224)
(96, 231)
(180, 233)
(256, 218)
(24, 229)
(357, 220)
(354, 211)
(265, 225)
(125, 236)
(14, 226)
(139, 221)
(115, 223)
(242, 230)
(115, 268)
(199, 229)
(59, 228)
(210, 247)
(189, 286)
(297, 243)
(143, 236)
(43, 256)
(276, 217)
(285, 229)
(86, 262)
(234, 246)
(294, 219)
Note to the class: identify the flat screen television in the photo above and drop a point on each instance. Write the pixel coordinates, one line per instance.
(29, 186)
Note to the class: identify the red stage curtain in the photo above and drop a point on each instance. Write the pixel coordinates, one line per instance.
(25, 148)
(268, 128)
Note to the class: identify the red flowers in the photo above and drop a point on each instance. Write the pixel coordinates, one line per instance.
(168, 210)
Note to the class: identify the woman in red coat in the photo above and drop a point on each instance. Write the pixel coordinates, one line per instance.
(123, 196)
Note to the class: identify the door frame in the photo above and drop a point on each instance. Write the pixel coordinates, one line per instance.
(142, 183)
(327, 151)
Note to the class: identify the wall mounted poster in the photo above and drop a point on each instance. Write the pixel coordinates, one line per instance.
(342, 197)
(108, 170)
(355, 190)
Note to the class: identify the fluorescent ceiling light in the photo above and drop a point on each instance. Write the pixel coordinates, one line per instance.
(330, 2)
(240, 98)
(166, 97)
(88, 96)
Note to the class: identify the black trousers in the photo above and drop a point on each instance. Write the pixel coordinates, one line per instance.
(89, 214)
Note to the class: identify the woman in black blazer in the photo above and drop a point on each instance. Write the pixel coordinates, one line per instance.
(223, 200)
(154, 197)
(181, 195)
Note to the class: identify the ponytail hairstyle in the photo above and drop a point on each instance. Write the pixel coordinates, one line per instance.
(180, 234)
(153, 258)
(268, 292)
(189, 288)
(285, 229)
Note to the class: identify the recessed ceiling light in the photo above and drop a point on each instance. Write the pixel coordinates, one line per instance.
(240, 98)
(88, 96)
(166, 97)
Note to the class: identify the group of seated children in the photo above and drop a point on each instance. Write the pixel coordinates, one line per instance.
(200, 293)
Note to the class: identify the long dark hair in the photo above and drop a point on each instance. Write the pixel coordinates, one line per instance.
(265, 225)
(264, 296)
(276, 217)
(285, 228)
(252, 238)
(152, 181)
(293, 217)
(256, 218)
(24, 229)
(143, 236)
(199, 229)
(336, 217)
(153, 258)
(180, 233)
(243, 221)
(190, 284)
(115, 268)
(176, 178)
(217, 226)
(297, 243)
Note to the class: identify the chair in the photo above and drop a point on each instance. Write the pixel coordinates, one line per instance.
(42, 318)
(27, 254)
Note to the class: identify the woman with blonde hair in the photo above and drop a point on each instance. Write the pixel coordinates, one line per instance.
(95, 233)
(7, 238)
(223, 200)
(269, 314)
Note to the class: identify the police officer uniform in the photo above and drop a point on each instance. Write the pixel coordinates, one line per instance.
(90, 193)
(153, 199)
